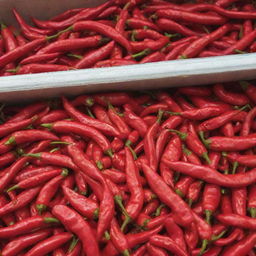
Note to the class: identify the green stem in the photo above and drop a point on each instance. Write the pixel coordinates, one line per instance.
(208, 215)
(253, 212)
(206, 157)
(75, 56)
(60, 142)
(73, 244)
(160, 116)
(205, 142)
(12, 188)
(182, 135)
(90, 113)
(109, 152)
(99, 165)
(204, 246)
(107, 235)
(133, 152)
(158, 210)
(215, 238)
(37, 155)
(10, 141)
(127, 220)
(49, 126)
(177, 191)
(141, 54)
(51, 220)
(235, 165)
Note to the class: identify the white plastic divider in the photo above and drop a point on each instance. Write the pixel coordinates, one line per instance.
(135, 77)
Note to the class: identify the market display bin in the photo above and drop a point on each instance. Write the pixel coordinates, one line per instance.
(136, 77)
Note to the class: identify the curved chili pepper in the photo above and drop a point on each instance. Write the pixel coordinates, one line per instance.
(184, 16)
(161, 143)
(48, 191)
(212, 176)
(36, 180)
(20, 51)
(236, 143)
(154, 57)
(26, 226)
(194, 192)
(41, 58)
(9, 127)
(82, 130)
(237, 221)
(167, 243)
(211, 200)
(118, 238)
(154, 250)
(149, 143)
(172, 26)
(175, 233)
(8, 219)
(230, 97)
(136, 23)
(140, 251)
(49, 244)
(104, 30)
(242, 247)
(10, 42)
(161, 189)
(76, 224)
(135, 203)
(151, 207)
(226, 205)
(197, 46)
(82, 204)
(140, 34)
(17, 245)
(7, 158)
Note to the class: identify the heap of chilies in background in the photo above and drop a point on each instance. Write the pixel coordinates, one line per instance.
(131, 174)
(121, 32)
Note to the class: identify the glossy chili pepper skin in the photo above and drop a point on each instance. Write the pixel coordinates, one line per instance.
(237, 221)
(22, 242)
(159, 186)
(242, 247)
(49, 244)
(214, 177)
(82, 204)
(75, 223)
(25, 226)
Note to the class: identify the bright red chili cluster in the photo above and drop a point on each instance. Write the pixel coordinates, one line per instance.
(126, 32)
(157, 173)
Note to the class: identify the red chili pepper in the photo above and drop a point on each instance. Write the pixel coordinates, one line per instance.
(110, 11)
(85, 14)
(83, 205)
(104, 30)
(185, 16)
(49, 244)
(20, 51)
(118, 238)
(140, 34)
(212, 176)
(154, 57)
(172, 26)
(135, 203)
(146, 46)
(226, 205)
(236, 220)
(242, 44)
(161, 143)
(168, 244)
(136, 23)
(197, 46)
(161, 189)
(154, 251)
(17, 245)
(41, 58)
(36, 180)
(80, 183)
(194, 192)
(76, 224)
(67, 14)
(48, 191)
(10, 42)
(242, 247)
(175, 233)
(26, 226)
(102, 126)
(7, 158)
(211, 200)
(228, 240)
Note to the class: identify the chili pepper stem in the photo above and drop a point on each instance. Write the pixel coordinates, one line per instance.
(204, 246)
(96, 214)
(127, 220)
(99, 165)
(107, 235)
(173, 113)
(133, 152)
(142, 53)
(109, 152)
(235, 165)
(190, 202)
(12, 188)
(51, 220)
(126, 253)
(10, 141)
(205, 142)
(49, 126)
(182, 135)
(37, 155)
(179, 192)
(60, 142)
(41, 208)
(208, 215)
(73, 244)
(206, 157)
(253, 212)
(215, 238)
(119, 202)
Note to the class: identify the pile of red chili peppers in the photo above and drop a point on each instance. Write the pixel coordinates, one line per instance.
(151, 173)
(122, 32)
